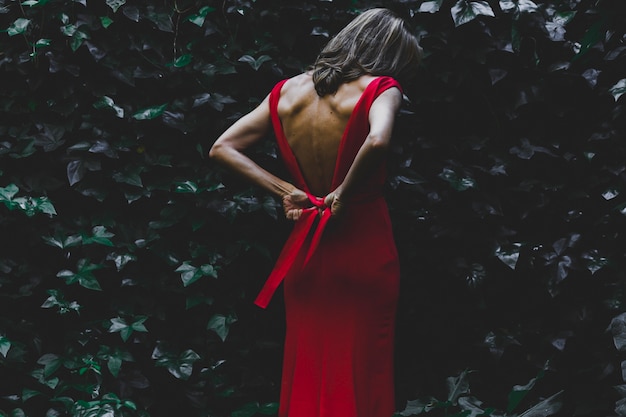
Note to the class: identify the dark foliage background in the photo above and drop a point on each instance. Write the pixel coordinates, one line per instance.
(129, 262)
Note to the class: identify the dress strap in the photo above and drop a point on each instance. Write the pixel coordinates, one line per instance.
(283, 146)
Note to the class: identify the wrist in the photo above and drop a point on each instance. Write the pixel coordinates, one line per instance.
(286, 190)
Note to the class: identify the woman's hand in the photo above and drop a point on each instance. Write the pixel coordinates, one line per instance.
(294, 202)
(333, 200)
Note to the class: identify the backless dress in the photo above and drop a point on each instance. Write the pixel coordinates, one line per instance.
(341, 280)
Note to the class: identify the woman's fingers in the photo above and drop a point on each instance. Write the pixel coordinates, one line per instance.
(293, 214)
(333, 201)
(294, 202)
(335, 208)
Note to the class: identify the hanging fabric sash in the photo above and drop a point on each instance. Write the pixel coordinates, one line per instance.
(294, 246)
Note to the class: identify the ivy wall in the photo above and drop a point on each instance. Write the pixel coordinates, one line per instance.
(129, 261)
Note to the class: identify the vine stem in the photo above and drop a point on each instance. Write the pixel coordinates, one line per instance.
(176, 26)
(24, 14)
(176, 33)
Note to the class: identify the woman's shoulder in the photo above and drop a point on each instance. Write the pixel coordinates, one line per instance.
(296, 89)
(295, 93)
(300, 82)
(303, 83)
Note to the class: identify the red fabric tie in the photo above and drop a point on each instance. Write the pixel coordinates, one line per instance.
(294, 245)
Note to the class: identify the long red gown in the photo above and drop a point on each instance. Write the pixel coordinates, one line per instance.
(341, 280)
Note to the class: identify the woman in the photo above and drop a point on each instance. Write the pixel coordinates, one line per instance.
(333, 125)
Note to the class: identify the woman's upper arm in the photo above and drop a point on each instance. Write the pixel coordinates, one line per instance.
(248, 129)
(382, 115)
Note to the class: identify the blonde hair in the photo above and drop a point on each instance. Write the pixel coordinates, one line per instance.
(376, 42)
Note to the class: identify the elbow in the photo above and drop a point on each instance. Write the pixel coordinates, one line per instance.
(377, 143)
(216, 150)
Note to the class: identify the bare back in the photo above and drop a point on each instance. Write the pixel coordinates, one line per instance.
(314, 125)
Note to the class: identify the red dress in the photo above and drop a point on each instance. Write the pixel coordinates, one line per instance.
(341, 281)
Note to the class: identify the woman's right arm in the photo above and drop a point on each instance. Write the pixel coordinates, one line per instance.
(228, 150)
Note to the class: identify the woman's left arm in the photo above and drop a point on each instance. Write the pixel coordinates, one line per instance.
(381, 118)
(228, 150)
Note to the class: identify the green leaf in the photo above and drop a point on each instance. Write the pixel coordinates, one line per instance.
(593, 36)
(129, 404)
(556, 26)
(43, 205)
(190, 274)
(255, 63)
(199, 18)
(138, 325)
(465, 11)
(457, 182)
(106, 21)
(31, 3)
(75, 171)
(187, 187)
(246, 410)
(518, 392)
(618, 330)
(121, 326)
(271, 206)
(100, 236)
(18, 412)
(183, 60)
(89, 282)
(215, 100)
(29, 205)
(77, 36)
(162, 20)
(594, 261)
(107, 102)
(77, 40)
(150, 112)
(115, 4)
(42, 43)
(5, 345)
(220, 324)
(114, 365)
(518, 6)
(269, 409)
(18, 27)
(620, 405)
(510, 255)
(414, 407)
(457, 386)
(62, 242)
(547, 407)
(208, 271)
(51, 363)
(57, 299)
(7, 193)
(27, 394)
(114, 357)
(181, 366)
(117, 324)
(618, 89)
(121, 260)
(69, 29)
(84, 276)
(130, 176)
(472, 407)
(430, 6)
